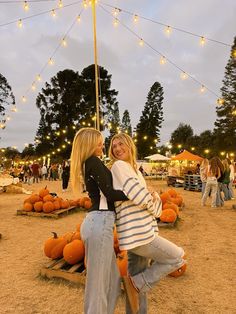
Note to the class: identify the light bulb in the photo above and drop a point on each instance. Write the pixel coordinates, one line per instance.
(19, 23)
(38, 77)
(50, 61)
(26, 6)
(63, 42)
(115, 22)
(60, 4)
(183, 75)
(53, 13)
(202, 89)
(168, 30)
(78, 18)
(23, 99)
(33, 86)
(163, 60)
(141, 42)
(135, 18)
(202, 41)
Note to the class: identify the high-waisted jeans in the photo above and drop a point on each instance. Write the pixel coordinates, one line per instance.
(165, 257)
(102, 278)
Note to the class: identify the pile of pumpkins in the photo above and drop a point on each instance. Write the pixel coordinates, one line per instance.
(171, 203)
(47, 203)
(70, 247)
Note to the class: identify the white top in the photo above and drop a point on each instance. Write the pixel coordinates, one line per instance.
(136, 218)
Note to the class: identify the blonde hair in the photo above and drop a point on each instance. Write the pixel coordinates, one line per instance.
(84, 145)
(127, 140)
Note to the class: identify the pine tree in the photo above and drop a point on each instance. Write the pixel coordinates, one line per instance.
(6, 97)
(126, 123)
(225, 125)
(148, 128)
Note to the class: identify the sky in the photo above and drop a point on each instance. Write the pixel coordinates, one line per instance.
(25, 51)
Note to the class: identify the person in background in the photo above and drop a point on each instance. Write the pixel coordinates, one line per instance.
(65, 176)
(203, 173)
(102, 278)
(44, 172)
(213, 173)
(137, 227)
(226, 180)
(197, 170)
(219, 197)
(35, 169)
(231, 178)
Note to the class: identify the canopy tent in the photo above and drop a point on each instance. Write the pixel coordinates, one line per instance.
(186, 155)
(157, 157)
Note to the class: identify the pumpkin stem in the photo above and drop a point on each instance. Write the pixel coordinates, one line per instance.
(54, 235)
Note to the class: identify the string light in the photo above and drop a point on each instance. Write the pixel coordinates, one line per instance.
(183, 75)
(38, 78)
(85, 5)
(168, 30)
(19, 23)
(115, 22)
(14, 109)
(135, 18)
(50, 61)
(53, 13)
(23, 99)
(220, 101)
(78, 18)
(234, 53)
(141, 42)
(116, 11)
(2, 125)
(162, 60)
(202, 89)
(26, 6)
(33, 86)
(63, 42)
(202, 41)
(8, 118)
(60, 4)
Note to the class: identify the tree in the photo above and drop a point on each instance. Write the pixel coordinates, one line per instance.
(148, 128)
(126, 123)
(6, 97)
(28, 151)
(225, 125)
(181, 136)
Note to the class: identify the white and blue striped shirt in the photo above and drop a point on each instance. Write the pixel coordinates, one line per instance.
(136, 218)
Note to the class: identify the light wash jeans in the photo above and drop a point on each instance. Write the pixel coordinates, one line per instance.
(231, 191)
(166, 257)
(102, 279)
(211, 185)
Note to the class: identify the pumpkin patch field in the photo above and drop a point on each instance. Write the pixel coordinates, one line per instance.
(208, 236)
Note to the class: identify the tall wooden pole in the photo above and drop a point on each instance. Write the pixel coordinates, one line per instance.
(96, 65)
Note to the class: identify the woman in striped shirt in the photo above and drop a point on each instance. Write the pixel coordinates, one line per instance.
(137, 227)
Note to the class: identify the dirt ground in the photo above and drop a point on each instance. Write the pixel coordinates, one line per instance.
(207, 234)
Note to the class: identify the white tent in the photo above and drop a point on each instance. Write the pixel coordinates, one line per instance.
(157, 157)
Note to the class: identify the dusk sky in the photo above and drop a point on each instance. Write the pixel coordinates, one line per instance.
(25, 51)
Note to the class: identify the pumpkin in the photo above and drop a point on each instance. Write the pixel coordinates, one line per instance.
(68, 236)
(65, 204)
(57, 205)
(78, 226)
(34, 198)
(74, 252)
(122, 263)
(179, 271)
(72, 203)
(76, 236)
(27, 200)
(77, 202)
(87, 204)
(43, 192)
(28, 207)
(48, 198)
(82, 200)
(165, 197)
(168, 215)
(38, 206)
(172, 192)
(172, 206)
(53, 246)
(48, 207)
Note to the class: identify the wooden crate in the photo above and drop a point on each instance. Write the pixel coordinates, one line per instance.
(61, 269)
(162, 224)
(55, 214)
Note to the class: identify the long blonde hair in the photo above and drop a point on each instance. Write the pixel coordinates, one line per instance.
(127, 140)
(84, 145)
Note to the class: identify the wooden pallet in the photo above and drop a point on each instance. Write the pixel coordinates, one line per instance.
(61, 269)
(162, 224)
(55, 214)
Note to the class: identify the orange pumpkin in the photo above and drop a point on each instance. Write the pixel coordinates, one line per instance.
(78, 226)
(179, 271)
(53, 247)
(38, 206)
(122, 263)
(82, 200)
(87, 204)
(48, 198)
(165, 197)
(172, 192)
(34, 198)
(72, 203)
(28, 207)
(168, 215)
(43, 192)
(68, 236)
(65, 204)
(74, 252)
(27, 200)
(76, 236)
(172, 206)
(48, 207)
(57, 205)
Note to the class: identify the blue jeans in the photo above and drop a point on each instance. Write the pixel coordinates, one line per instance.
(102, 278)
(211, 185)
(166, 257)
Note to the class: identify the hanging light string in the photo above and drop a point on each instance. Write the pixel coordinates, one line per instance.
(160, 53)
(20, 1)
(24, 99)
(38, 14)
(166, 25)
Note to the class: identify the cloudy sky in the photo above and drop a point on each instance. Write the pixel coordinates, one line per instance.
(24, 52)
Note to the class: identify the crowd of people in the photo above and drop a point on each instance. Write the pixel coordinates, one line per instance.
(217, 178)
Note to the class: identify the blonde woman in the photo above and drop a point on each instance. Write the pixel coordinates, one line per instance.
(203, 173)
(137, 227)
(102, 278)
